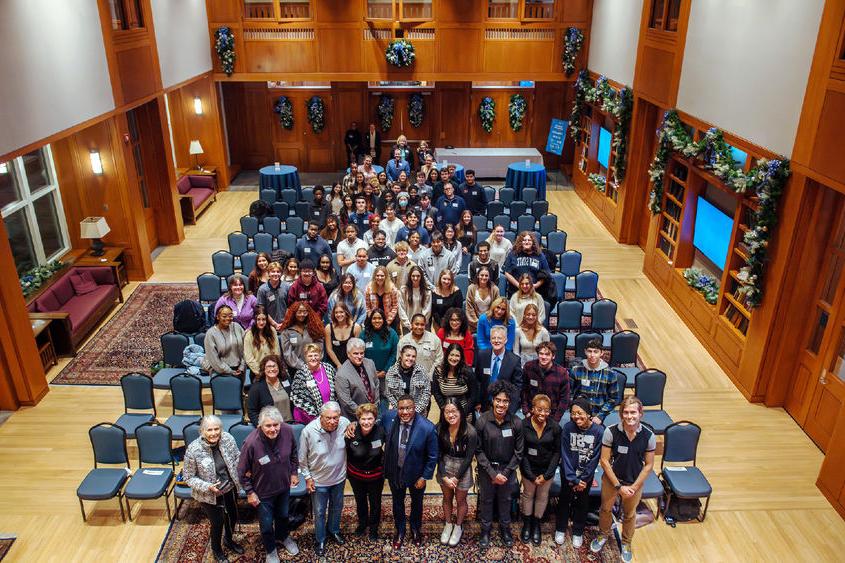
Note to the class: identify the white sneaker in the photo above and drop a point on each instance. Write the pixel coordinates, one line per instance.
(272, 557)
(577, 541)
(447, 533)
(455, 539)
(560, 537)
(598, 543)
(290, 546)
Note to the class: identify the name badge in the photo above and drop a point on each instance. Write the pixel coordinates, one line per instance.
(534, 383)
(532, 451)
(369, 345)
(311, 383)
(622, 449)
(293, 339)
(316, 213)
(271, 298)
(264, 460)
(486, 371)
(336, 342)
(588, 439)
(286, 384)
(474, 192)
(585, 383)
(366, 274)
(376, 444)
(307, 250)
(455, 204)
(440, 301)
(507, 433)
(394, 274)
(303, 296)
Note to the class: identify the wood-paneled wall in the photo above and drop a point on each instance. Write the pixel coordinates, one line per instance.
(337, 44)
(256, 137)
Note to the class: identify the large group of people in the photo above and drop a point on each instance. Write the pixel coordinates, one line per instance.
(359, 357)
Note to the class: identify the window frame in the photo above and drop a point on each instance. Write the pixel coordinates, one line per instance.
(27, 201)
(520, 14)
(662, 24)
(277, 13)
(396, 11)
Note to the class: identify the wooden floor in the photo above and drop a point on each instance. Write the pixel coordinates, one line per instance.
(761, 465)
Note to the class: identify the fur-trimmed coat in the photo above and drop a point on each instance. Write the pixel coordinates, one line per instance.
(198, 468)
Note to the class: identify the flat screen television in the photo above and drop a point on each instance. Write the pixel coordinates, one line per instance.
(604, 147)
(712, 236)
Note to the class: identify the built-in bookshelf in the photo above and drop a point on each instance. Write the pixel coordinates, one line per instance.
(734, 303)
(586, 133)
(671, 216)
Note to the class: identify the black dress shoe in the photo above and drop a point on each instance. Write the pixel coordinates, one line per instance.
(416, 537)
(536, 534)
(507, 537)
(398, 538)
(337, 538)
(373, 536)
(233, 547)
(525, 534)
(320, 549)
(360, 530)
(484, 540)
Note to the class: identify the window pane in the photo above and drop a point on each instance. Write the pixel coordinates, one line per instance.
(539, 9)
(261, 9)
(818, 331)
(20, 241)
(380, 9)
(503, 9)
(117, 14)
(674, 14)
(656, 20)
(48, 224)
(831, 281)
(36, 170)
(9, 191)
(291, 9)
(416, 9)
(837, 363)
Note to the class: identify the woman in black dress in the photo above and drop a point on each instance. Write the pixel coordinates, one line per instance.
(365, 468)
(340, 329)
(446, 295)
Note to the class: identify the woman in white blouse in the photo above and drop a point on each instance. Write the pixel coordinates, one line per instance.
(529, 334)
(499, 245)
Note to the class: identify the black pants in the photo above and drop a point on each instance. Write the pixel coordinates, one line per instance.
(368, 500)
(572, 504)
(490, 494)
(221, 515)
(398, 494)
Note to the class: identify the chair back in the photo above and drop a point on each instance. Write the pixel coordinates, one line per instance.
(480, 222)
(268, 196)
(199, 339)
(263, 242)
(281, 210)
(555, 242)
(173, 345)
(287, 242)
(560, 286)
(466, 258)
(548, 223)
(297, 432)
(581, 341)
(223, 263)
(495, 208)
(603, 315)
(481, 235)
(137, 392)
(462, 281)
(503, 285)
(547, 309)
(529, 195)
(539, 208)
(155, 442)
(503, 220)
(570, 263)
(524, 222)
(191, 432)
(227, 393)
(680, 442)
(506, 196)
(648, 386)
(249, 225)
(621, 382)
(272, 225)
(517, 208)
(240, 431)
(308, 195)
(295, 226)
(511, 236)
(559, 340)
(623, 347)
(490, 193)
(290, 197)
(109, 444)
(208, 285)
(248, 260)
(569, 313)
(238, 243)
(301, 209)
(186, 391)
(586, 285)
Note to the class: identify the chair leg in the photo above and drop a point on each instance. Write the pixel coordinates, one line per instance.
(179, 503)
(704, 514)
(120, 504)
(82, 508)
(128, 508)
(167, 504)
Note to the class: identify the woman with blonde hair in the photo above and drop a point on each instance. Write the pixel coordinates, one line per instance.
(380, 293)
(524, 296)
(499, 314)
(500, 247)
(337, 333)
(414, 297)
(529, 334)
(480, 295)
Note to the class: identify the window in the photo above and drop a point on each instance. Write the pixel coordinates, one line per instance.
(665, 14)
(277, 10)
(403, 10)
(520, 9)
(32, 209)
(126, 14)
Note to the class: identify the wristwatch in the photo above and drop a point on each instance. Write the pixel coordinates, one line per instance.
(617, 487)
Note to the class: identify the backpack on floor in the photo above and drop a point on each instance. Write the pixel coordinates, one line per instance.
(682, 510)
(188, 317)
(260, 209)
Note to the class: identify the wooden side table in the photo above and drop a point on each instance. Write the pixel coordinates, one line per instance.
(113, 258)
(44, 342)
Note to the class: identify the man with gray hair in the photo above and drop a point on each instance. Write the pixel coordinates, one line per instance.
(267, 470)
(497, 364)
(322, 457)
(356, 382)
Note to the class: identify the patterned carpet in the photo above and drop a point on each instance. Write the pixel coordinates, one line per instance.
(187, 540)
(5, 546)
(129, 341)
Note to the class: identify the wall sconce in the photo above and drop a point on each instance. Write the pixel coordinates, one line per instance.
(197, 105)
(96, 163)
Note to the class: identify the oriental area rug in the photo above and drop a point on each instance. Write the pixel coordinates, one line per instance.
(187, 540)
(5, 545)
(129, 341)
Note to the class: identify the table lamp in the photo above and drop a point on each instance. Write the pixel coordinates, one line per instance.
(94, 228)
(196, 149)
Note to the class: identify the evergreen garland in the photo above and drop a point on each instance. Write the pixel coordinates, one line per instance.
(284, 109)
(573, 40)
(582, 84)
(704, 283)
(400, 53)
(598, 181)
(487, 113)
(767, 179)
(316, 113)
(416, 109)
(385, 112)
(516, 111)
(34, 278)
(224, 44)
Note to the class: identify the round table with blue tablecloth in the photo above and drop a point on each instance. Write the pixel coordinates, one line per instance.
(459, 176)
(520, 176)
(284, 177)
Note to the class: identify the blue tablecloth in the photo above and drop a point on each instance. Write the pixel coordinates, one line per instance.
(460, 176)
(378, 169)
(286, 177)
(520, 176)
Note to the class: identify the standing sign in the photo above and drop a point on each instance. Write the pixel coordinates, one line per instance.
(557, 136)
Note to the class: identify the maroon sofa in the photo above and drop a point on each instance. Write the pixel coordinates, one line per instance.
(195, 193)
(79, 300)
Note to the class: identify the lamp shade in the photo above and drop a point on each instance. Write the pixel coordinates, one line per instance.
(196, 147)
(93, 227)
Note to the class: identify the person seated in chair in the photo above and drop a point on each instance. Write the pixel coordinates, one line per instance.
(473, 194)
(224, 345)
(311, 246)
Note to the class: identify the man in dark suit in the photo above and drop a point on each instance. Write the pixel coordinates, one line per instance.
(356, 382)
(497, 364)
(372, 144)
(410, 454)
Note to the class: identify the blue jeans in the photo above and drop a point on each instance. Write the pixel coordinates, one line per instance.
(273, 520)
(327, 499)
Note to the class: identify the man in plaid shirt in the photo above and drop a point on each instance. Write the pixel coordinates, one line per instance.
(596, 382)
(544, 376)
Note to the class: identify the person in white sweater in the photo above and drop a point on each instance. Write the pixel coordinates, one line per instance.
(499, 245)
(526, 295)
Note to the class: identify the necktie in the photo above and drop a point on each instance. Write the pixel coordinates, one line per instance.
(403, 444)
(495, 370)
(366, 381)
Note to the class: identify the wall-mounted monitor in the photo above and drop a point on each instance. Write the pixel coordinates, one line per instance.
(604, 147)
(712, 236)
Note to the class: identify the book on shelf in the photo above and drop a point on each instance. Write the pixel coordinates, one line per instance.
(740, 244)
(748, 217)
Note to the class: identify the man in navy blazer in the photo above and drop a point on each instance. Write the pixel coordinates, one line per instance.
(409, 461)
(488, 369)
